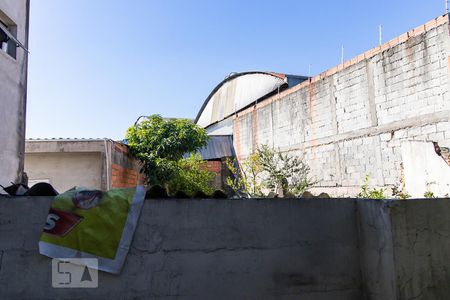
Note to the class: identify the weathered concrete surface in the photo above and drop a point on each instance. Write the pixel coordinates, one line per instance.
(405, 248)
(13, 88)
(251, 249)
(376, 250)
(421, 241)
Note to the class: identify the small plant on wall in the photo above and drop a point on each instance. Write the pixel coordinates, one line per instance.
(429, 195)
(400, 193)
(369, 193)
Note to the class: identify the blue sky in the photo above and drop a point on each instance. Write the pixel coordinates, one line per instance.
(96, 65)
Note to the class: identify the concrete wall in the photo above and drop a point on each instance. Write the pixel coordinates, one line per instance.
(101, 164)
(351, 120)
(13, 88)
(65, 170)
(251, 249)
(421, 243)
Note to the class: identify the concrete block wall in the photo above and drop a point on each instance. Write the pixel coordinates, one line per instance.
(350, 121)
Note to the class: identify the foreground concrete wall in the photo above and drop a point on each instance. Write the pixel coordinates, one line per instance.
(421, 243)
(352, 119)
(13, 88)
(251, 249)
(376, 250)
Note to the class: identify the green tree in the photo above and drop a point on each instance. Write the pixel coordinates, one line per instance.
(160, 145)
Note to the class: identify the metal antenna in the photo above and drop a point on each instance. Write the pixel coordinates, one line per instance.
(342, 55)
(380, 37)
(446, 6)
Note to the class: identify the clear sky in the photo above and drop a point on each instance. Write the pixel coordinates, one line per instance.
(96, 65)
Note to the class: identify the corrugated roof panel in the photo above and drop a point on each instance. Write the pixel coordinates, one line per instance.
(239, 90)
(218, 147)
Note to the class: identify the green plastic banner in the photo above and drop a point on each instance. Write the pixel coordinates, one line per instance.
(84, 223)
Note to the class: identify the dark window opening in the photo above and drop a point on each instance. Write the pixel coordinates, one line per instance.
(7, 44)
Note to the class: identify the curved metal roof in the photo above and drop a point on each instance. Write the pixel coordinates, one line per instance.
(239, 90)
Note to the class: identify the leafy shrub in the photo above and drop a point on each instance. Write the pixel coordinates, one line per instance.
(284, 171)
(191, 176)
(270, 170)
(160, 144)
(245, 179)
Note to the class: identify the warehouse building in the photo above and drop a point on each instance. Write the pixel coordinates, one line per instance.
(384, 114)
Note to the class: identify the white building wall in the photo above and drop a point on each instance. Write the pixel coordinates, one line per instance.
(66, 170)
(13, 86)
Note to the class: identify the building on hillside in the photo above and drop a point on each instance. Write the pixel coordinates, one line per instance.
(93, 163)
(362, 117)
(14, 20)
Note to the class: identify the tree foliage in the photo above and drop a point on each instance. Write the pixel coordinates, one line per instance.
(160, 145)
(284, 171)
(192, 176)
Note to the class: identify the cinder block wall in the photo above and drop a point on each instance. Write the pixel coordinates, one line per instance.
(350, 120)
